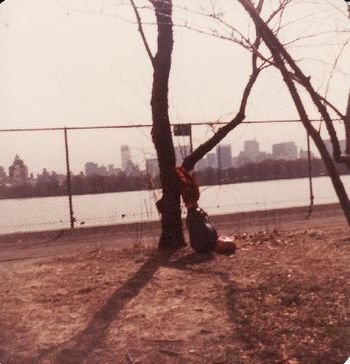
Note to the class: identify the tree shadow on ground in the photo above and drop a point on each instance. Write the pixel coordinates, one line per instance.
(76, 349)
(254, 318)
(276, 322)
(79, 347)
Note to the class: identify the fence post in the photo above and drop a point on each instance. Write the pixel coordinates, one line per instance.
(218, 153)
(191, 139)
(69, 189)
(309, 164)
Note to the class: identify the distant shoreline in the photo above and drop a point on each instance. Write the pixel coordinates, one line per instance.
(150, 189)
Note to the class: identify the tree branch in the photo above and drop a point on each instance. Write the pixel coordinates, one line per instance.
(141, 31)
(190, 161)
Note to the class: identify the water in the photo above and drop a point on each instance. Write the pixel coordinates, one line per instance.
(123, 207)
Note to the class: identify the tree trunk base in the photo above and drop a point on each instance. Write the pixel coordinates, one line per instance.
(171, 240)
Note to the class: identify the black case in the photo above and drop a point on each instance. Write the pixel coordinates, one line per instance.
(203, 235)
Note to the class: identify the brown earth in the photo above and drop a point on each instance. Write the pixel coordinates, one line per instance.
(282, 298)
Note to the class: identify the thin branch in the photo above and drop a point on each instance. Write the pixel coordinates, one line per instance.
(141, 31)
(335, 65)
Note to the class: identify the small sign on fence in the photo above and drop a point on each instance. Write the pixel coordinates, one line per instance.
(182, 129)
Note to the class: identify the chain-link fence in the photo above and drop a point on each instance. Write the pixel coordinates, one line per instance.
(91, 176)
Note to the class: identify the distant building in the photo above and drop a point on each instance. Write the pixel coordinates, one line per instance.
(3, 176)
(224, 156)
(263, 156)
(251, 149)
(152, 166)
(202, 164)
(112, 171)
(18, 172)
(128, 166)
(251, 154)
(303, 154)
(133, 170)
(91, 168)
(329, 146)
(181, 151)
(125, 156)
(287, 150)
(212, 161)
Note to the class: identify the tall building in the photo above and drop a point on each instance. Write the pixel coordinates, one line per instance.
(224, 156)
(249, 154)
(181, 151)
(18, 172)
(287, 150)
(126, 157)
(251, 149)
(128, 166)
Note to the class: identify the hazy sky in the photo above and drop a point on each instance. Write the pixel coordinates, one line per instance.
(78, 63)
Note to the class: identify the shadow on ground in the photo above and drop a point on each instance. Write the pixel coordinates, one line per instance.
(273, 320)
(76, 349)
(79, 347)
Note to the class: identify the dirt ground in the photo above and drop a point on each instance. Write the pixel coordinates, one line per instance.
(282, 298)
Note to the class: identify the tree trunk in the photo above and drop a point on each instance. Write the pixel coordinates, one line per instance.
(169, 206)
(347, 126)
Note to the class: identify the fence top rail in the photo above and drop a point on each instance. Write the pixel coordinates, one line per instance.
(129, 126)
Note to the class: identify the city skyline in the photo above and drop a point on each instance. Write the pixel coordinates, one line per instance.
(97, 179)
(221, 157)
(46, 148)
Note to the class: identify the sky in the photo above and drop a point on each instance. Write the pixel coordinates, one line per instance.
(82, 63)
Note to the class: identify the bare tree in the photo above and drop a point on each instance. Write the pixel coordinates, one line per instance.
(168, 205)
(282, 58)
